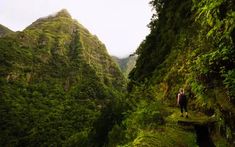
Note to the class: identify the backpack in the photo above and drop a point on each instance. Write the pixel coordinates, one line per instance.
(182, 97)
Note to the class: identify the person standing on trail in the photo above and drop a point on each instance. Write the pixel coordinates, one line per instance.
(182, 102)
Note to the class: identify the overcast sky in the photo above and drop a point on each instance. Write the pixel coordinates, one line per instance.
(120, 24)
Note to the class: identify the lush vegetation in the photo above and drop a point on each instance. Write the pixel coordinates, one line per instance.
(191, 45)
(59, 87)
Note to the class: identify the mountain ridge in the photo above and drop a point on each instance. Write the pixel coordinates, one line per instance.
(126, 64)
(4, 30)
(65, 29)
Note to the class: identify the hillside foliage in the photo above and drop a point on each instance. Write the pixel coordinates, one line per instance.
(190, 46)
(57, 85)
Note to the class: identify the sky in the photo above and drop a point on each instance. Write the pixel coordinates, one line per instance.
(120, 24)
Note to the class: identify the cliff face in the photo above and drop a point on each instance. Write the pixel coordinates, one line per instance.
(56, 79)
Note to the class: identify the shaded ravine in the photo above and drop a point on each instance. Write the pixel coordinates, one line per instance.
(203, 136)
(202, 129)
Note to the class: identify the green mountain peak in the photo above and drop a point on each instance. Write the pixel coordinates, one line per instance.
(59, 19)
(60, 35)
(63, 13)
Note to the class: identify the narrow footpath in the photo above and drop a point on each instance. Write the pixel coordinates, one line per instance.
(196, 122)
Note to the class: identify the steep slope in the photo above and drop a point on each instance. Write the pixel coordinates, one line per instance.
(72, 40)
(191, 46)
(4, 30)
(126, 64)
(56, 81)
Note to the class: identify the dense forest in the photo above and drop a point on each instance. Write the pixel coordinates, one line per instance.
(59, 86)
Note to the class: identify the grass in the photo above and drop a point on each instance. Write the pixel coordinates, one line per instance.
(165, 137)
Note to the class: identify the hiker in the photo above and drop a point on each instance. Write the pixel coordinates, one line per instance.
(182, 102)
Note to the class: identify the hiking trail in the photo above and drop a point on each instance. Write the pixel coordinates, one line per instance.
(196, 122)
